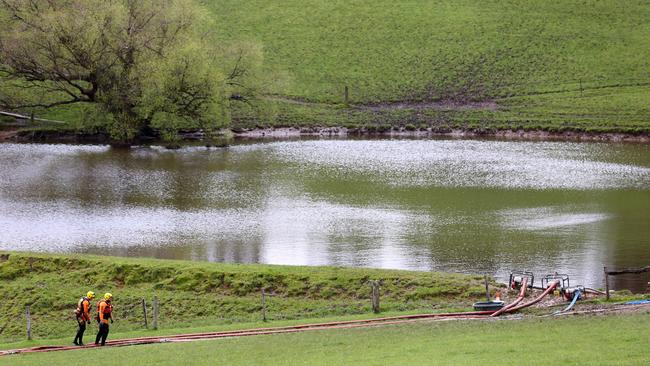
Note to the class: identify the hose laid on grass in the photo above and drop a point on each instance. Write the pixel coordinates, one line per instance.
(256, 331)
(288, 329)
(637, 302)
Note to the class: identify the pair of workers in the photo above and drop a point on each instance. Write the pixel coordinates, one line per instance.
(104, 314)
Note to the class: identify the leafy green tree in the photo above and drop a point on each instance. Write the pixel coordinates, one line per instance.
(142, 65)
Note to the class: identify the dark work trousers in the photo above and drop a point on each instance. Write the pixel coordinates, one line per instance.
(79, 338)
(102, 334)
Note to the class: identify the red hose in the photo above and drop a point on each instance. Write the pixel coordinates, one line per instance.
(549, 289)
(522, 293)
(251, 332)
(298, 328)
(322, 325)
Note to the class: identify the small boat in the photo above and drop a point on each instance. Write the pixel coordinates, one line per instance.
(488, 305)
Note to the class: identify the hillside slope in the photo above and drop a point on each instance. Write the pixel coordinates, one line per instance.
(439, 65)
(583, 64)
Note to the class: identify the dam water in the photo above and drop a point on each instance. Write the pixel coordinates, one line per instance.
(471, 206)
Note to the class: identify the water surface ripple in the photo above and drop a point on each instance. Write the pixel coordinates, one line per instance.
(446, 205)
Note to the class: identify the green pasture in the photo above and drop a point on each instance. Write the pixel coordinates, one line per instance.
(585, 340)
(194, 294)
(556, 66)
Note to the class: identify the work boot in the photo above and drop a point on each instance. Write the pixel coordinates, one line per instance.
(75, 342)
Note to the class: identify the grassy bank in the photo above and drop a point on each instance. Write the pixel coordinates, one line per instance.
(564, 66)
(194, 293)
(441, 120)
(611, 340)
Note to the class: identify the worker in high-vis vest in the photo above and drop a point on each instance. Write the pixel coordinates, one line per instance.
(82, 314)
(104, 314)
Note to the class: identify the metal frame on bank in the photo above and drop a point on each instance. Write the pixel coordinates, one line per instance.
(620, 272)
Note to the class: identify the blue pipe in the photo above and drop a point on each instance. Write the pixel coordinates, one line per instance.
(576, 297)
(638, 302)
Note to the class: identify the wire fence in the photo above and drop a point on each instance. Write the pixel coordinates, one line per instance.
(381, 91)
(159, 313)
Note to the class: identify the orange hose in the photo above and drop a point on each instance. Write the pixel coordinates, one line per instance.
(298, 328)
(549, 289)
(522, 293)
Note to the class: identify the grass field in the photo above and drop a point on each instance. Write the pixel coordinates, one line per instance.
(595, 340)
(207, 294)
(548, 65)
(423, 50)
(556, 66)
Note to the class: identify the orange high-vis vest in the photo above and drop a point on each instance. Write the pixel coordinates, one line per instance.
(83, 309)
(104, 310)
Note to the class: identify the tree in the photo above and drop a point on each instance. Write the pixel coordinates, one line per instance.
(142, 64)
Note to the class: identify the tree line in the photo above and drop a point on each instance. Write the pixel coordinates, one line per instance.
(136, 67)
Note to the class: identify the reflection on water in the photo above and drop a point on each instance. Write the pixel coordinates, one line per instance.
(449, 205)
(468, 163)
(545, 218)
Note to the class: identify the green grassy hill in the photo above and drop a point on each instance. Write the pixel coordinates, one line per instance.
(546, 64)
(424, 50)
(538, 65)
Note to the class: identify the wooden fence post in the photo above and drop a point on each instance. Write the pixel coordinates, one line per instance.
(606, 282)
(375, 296)
(29, 323)
(487, 289)
(154, 323)
(144, 311)
(263, 305)
(581, 87)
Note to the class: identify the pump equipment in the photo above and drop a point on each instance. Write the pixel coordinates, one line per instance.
(517, 278)
(569, 292)
(563, 280)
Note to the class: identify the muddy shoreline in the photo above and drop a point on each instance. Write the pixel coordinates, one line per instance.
(332, 132)
(342, 132)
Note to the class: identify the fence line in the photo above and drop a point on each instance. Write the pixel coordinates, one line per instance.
(357, 92)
